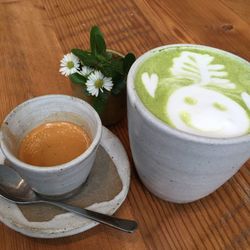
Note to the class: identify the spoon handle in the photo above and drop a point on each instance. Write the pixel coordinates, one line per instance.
(128, 226)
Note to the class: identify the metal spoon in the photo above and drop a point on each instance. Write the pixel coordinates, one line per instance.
(15, 189)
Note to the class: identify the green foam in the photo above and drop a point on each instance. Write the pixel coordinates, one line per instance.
(161, 62)
(219, 106)
(189, 100)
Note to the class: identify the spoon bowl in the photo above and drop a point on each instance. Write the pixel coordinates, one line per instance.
(14, 187)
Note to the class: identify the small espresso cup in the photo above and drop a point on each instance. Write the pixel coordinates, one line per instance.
(174, 165)
(61, 180)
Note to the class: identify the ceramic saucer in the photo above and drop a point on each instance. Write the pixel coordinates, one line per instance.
(105, 190)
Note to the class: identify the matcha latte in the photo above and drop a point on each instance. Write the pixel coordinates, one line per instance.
(197, 89)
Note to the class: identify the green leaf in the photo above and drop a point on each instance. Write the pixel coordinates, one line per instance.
(86, 57)
(119, 85)
(117, 65)
(100, 45)
(77, 78)
(102, 58)
(112, 69)
(128, 61)
(106, 70)
(85, 91)
(97, 42)
(100, 101)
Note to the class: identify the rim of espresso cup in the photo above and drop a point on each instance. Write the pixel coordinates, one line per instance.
(84, 155)
(162, 126)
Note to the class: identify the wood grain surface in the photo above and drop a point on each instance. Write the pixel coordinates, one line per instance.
(35, 34)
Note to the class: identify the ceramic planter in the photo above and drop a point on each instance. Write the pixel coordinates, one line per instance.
(115, 108)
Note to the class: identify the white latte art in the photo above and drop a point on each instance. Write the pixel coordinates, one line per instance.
(200, 69)
(198, 93)
(202, 111)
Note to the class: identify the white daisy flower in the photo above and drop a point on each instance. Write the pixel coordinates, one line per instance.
(86, 71)
(97, 82)
(69, 64)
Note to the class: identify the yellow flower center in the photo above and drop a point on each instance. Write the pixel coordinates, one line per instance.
(99, 83)
(70, 65)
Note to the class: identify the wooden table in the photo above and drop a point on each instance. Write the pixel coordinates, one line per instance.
(35, 35)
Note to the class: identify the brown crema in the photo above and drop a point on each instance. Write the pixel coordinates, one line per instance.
(53, 143)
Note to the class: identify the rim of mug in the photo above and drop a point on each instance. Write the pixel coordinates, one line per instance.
(137, 103)
(95, 142)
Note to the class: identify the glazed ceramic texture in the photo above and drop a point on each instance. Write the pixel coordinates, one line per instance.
(37, 221)
(174, 165)
(60, 180)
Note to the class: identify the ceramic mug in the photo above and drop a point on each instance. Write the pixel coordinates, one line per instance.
(174, 165)
(61, 180)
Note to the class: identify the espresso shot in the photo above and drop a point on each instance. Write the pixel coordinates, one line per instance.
(53, 143)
